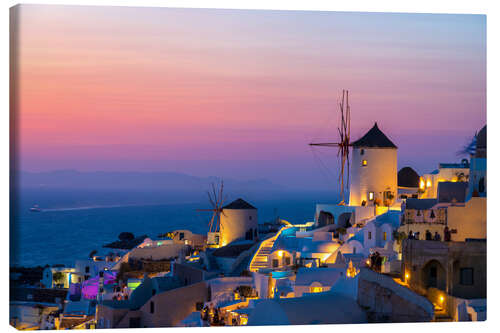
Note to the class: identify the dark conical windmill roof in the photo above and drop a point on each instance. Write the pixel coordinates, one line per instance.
(481, 138)
(374, 138)
(407, 177)
(239, 204)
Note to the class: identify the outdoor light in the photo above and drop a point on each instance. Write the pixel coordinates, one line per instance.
(441, 299)
(365, 162)
(407, 276)
(422, 184)
(429, 183)
(280, 253)
(370, 196)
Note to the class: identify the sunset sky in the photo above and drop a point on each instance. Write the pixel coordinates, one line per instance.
(240, 94)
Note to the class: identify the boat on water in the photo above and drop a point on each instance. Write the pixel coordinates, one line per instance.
(35, 208)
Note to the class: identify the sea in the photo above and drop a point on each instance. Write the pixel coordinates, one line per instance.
(74, 222)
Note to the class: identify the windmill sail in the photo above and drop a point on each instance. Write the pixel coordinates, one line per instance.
(216, 199)
(344, 131)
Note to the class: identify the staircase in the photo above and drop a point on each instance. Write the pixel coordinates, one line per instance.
(440, 315)
(259, 260)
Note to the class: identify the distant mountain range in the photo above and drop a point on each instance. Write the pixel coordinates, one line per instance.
(66, 179)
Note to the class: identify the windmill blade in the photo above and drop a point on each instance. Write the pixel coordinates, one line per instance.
(211, 223)
(221, 189)
(348, 140)
(210, 199)
(214, 192)
(325, 144)
(344, 132)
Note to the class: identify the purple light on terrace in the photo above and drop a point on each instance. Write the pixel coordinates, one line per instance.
(90, 288)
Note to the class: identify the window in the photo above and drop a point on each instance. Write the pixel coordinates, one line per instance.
(316, 289)
(153, 292)
(481, 185)
(369, 235)
(199, 306)
(287, 260)
(466, 276)
(275, 263)
(354, 250)
(362, 152)
(385, 235)
(250, 217)
(181, 236)
(371, 196)
(152, 307)
(364, 163)
(87, 269)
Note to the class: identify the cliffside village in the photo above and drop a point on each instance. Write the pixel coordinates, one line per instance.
(407, 248)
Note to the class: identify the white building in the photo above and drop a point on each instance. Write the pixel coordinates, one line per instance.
(376, 236)
(90, 267)
(373, 170)
(238, 220)
(316, 280)
(447, 172)
(374, 183)
(60, 277)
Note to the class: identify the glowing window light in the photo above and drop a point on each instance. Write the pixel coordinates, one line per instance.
(371, 195)
(429, 183)
(316, 289)
(422, 184)
(280, 253)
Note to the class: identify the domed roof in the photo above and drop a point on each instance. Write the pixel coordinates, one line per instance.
(374, 138)
(481, 138)
(407, 177)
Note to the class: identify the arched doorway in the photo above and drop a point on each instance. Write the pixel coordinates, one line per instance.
(325, 218)
(434, 275)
